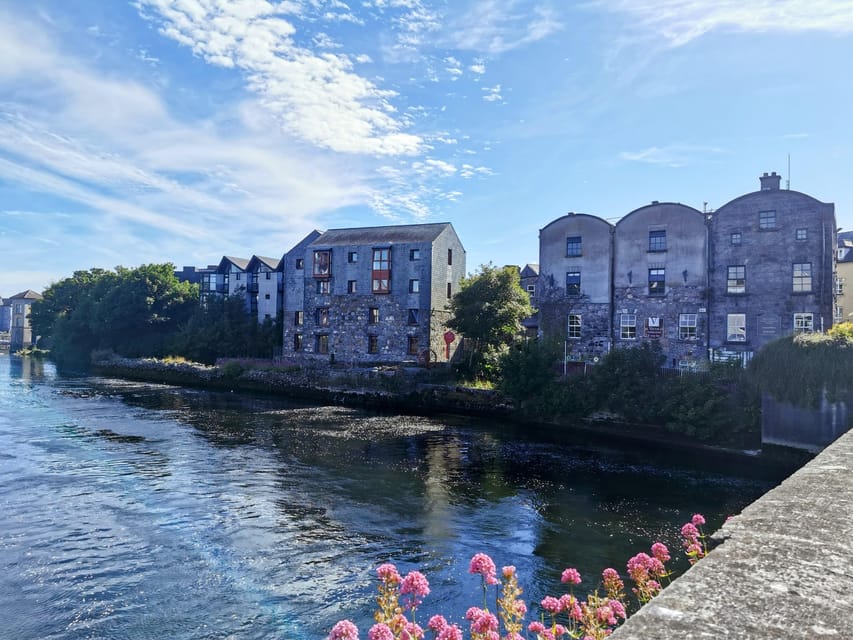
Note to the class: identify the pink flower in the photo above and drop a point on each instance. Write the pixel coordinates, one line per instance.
(436, 623)
(551, 604)
(414, 630)
(473, 613)
(485, 566)
(380, 631)
(416, 586)
(560, 630)
(689, 531)
(605, 614)
(484, 623)
(536, 627)
(660, 551)
(388, 573)
(450, 632)
(571, 576)
(570, 605)
(611, 580)
(344, 630)
(508, 572)
(618, 609)
(697, 520)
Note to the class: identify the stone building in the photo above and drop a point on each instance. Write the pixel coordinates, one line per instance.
(5, 315)
(21, 331)
(574, 292)
(373, 294)
(293, 291)
(719, 286)
(660, 280)
(772, 268)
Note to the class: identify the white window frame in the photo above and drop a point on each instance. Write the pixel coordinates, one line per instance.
(802, 277)
(803, 323)
(736, 327)
(627, 326)
(574, 327)
(687, 326)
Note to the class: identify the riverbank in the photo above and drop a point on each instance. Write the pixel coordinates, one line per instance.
(416, 391)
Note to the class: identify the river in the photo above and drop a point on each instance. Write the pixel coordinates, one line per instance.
(141, 511)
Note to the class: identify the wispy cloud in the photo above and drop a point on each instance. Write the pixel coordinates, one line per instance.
(680, 21)
(497, 26)
(492, 94)
(674, 156)
(316, 97)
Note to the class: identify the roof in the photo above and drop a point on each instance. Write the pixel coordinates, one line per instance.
(530, 270)
(29, 294)
(272, 263)
(402, 233)
(240, 263)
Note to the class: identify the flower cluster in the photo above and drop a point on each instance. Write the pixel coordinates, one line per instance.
(592, 619)
(693, 540)
(647, 572)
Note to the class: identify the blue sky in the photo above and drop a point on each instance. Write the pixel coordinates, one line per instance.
(184, 130)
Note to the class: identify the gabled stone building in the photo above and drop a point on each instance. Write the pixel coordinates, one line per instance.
(21, 333)
(373, 294)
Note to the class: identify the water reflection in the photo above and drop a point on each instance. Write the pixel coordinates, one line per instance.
(140, 511)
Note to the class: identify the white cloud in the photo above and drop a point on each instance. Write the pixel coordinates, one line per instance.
(498, 26)
(492, 94)
(317, 98)
(674, 156)
(680, 21)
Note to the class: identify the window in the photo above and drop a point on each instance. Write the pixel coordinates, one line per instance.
(686, 326)
(298, 318)
(266, 296)
(268, 275)
(802, 277)
(737, 238)
(450, 256)
(802, 234)
(322, 343)
(324, 286)
(573, 246)
(381, 275)
(412, 345)
(657, 240)
(574, 326)
(352, 257)
(351, 286)
(266, 316)
(372, 344)
(766, 219)
(373, 315)
(413, 316)
(736, 279)
(300, 263)
(323, 316)
(237, 276)
(628, 326)
(414, 254)
(573, 283)
(803, 323)
(414, 286)
(657, 282)
(449, 290)
(297, 342)
(736, 327)
(531, 289)
(322, 264)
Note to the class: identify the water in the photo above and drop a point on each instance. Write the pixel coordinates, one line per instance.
(135, 511)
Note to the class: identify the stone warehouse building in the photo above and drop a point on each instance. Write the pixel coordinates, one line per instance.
(700, 285)
(373, 294)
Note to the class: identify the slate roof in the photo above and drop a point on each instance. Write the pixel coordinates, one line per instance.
(403, 233)
(530, 270)
(272, 263)
(240, 263)
(29, 294)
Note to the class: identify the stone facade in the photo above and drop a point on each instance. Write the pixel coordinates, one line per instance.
(574, 290)
(373, 295)
(660, 281)
(772, 268)
(844, 278)
(293, 287)
(21, 333)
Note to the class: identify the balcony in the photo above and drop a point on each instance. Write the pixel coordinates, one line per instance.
(253, 286)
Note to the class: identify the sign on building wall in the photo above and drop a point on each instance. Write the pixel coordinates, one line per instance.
(654, 328)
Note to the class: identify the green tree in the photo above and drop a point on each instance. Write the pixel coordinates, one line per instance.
(488, 311)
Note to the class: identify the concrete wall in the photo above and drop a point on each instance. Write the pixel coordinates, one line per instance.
(782, 568)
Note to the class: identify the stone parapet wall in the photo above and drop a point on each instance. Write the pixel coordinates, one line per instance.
(780, 569)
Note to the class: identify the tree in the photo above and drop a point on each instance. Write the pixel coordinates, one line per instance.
(488, 311)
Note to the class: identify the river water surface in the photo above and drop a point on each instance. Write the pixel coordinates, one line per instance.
(135, 511)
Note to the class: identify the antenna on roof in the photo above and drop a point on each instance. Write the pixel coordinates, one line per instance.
(788, 181)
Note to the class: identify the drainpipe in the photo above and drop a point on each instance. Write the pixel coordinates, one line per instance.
(612, 304)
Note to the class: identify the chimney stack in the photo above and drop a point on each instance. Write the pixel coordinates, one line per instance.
(770, 182)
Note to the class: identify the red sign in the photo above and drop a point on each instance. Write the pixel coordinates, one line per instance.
(449, 337)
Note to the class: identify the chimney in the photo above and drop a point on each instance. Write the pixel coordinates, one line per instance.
(770, 182)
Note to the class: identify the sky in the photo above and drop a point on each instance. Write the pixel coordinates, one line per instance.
(151, 131)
